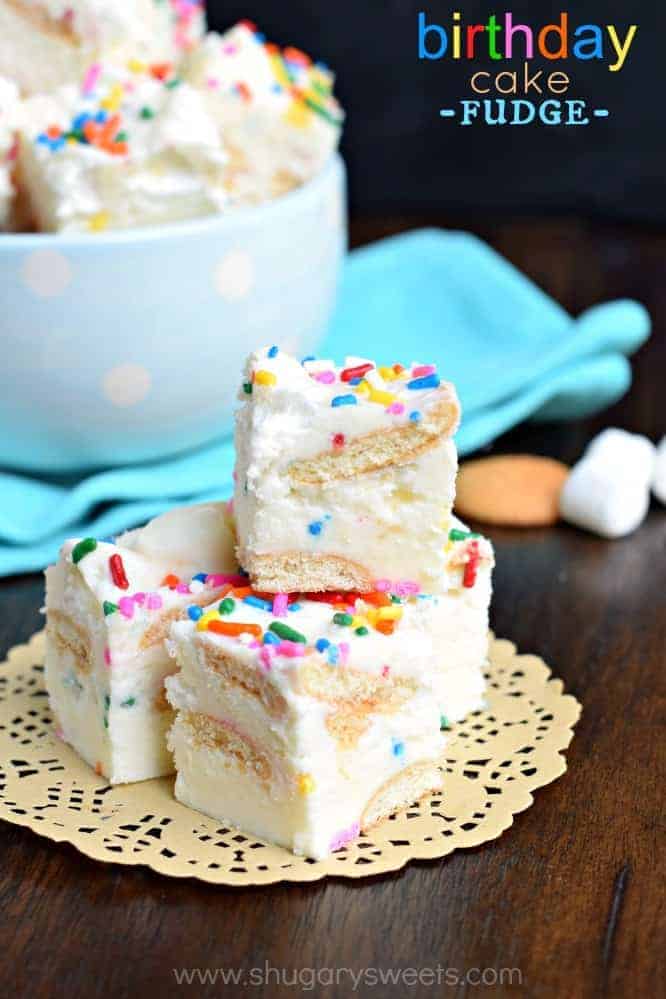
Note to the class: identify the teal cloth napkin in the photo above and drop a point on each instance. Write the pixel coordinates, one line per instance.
(432, 296)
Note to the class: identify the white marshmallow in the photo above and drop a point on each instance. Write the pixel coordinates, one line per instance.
(608, 491)
(630, 455)
(659, 480)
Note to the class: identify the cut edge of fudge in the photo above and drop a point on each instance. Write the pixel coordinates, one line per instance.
(211, 760)
(244, 735)
(110, 708)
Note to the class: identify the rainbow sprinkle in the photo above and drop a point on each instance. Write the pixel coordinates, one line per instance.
(126, 607)
(280, 605)
(305, 783)
(257, 602)
(472, 565)
(344, 400)
(290, 650)
(83, 548)
(286, 633)
(117, 569)
(429, 381)
(457, 535)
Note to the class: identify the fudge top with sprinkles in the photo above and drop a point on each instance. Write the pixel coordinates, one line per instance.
(125, 588)
(317, 406)
(130, 587)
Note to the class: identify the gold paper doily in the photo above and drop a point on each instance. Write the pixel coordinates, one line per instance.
(494, 760)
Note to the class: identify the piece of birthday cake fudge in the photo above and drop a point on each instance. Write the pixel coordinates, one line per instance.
(274, 107)
(47, 43)
(344, 476)
(302, 744)
(130, 146)
(304, 719)
(109, 607)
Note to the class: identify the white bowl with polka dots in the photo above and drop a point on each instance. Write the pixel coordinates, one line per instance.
(128, 346)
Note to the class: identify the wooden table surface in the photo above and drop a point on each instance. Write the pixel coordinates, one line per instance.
(571, 896)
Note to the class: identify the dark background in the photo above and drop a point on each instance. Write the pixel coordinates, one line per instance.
(404, 158)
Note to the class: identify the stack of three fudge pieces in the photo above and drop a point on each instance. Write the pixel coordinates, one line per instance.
(299, 654)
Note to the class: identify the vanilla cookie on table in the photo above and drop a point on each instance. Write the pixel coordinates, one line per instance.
(515, 490)
(344, 475)
(109, 607)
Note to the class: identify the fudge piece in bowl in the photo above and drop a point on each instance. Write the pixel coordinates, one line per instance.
(131, 145)
(47, 43)
(275, 109)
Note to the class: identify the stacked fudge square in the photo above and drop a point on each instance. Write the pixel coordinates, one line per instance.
(304, 696)
(310, 703)
(109, 608)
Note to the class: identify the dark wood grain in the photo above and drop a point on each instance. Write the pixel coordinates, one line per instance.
(571, 895)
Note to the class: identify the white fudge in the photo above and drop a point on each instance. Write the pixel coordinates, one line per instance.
(109, 608)
(304, 721)
(274, 107)
(344, 476)
(659, 479)
(9, 108)
(608, 490)
(47, 43)
(130, 146)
